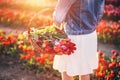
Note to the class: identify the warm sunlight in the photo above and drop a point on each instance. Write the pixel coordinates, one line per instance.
(34, 47)
(36, 2)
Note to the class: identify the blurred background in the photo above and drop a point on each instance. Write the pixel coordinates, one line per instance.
(17, 60)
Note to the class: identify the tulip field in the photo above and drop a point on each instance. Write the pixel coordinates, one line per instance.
(18, 54)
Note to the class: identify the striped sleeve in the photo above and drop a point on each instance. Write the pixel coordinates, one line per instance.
(61, 10)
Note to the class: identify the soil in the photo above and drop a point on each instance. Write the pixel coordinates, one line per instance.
(107, 48)
(12, 69)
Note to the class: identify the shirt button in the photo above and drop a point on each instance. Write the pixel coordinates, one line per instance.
(79, 33)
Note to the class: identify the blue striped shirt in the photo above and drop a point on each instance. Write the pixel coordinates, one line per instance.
(61, 10)
(81, 16)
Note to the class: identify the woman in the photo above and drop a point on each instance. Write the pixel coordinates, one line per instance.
(81, 18)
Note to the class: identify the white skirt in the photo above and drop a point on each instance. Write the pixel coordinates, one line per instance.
(83, 60)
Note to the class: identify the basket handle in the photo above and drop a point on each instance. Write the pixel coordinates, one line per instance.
(41, 12)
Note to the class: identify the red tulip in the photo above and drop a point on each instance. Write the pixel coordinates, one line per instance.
(111, 65)
(100, 53)
(20, 46)
(38, 59)
(42, 61)
(38, 42)
(28, 56)
(113, 57)
(23, 57)
(111, 75)
(119, 72)
(5, 43)
(1, 38)
(113, 51)
(118, 64)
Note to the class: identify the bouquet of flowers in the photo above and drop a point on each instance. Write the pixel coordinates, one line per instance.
(51, 40)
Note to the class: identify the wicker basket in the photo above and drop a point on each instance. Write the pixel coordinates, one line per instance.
(30, 37)
(36, 47)
(60, 36)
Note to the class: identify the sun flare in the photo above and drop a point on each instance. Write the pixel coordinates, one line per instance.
(35, 2)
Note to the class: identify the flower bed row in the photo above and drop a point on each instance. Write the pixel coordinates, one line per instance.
(109, 67)
(16, 18)
(109, 32)
(111, 10)
(12, 44)
(13, 17)
(112, 0)
(28, 6)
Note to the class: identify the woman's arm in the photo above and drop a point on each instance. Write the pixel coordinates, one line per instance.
(61, 10)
